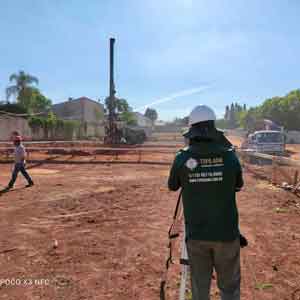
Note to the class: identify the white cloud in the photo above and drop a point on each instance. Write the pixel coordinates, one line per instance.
(174, 96)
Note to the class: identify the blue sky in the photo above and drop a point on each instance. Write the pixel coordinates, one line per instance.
(203, 51)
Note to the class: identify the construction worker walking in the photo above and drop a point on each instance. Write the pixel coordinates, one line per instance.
(20, 154)
(209, 174)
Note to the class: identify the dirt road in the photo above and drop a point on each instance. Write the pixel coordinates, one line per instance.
(100, 232)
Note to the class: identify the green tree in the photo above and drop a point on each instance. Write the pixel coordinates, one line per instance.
(222, 124)
(232, 117)
(129, 118)
(232, 123)
(250, 118)
(21, 82)
(283, 110)
(14, 108)
(119, 105)
(26, 94)
(151, 114)
(122, 109)
(123, 106)
(227, 113)
(36, 102)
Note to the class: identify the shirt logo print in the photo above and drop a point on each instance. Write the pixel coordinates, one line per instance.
(191, 164)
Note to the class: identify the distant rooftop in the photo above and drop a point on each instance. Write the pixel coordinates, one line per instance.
(83, 98)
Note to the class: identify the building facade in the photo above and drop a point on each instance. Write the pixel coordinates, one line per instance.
(88, 112)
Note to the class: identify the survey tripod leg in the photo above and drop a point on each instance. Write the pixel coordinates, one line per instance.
(184, 268)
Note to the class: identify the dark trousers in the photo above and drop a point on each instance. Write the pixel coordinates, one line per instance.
(19, 167)
(224, 257)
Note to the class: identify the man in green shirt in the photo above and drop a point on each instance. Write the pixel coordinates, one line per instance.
(209, 173)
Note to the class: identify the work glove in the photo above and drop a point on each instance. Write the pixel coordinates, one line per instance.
(243, 241)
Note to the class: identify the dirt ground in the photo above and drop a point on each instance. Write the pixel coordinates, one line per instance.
(100, 232)
(294, 150)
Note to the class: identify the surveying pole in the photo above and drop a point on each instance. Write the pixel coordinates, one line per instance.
(185, 268)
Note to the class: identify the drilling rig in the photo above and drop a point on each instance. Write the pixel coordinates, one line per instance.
(111, 130)
(115, 131)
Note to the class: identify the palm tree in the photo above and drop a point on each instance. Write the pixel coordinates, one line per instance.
(22, 83)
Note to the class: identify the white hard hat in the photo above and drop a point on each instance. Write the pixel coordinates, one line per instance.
(201, 113)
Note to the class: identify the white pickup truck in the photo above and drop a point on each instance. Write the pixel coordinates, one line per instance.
(265, 141)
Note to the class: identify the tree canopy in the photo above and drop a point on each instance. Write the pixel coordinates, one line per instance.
(151, 114)
(20, 83)
(26, 94)
(284, 111)
(232, 116)
(34, 101)
(122, 110)
(14, 108)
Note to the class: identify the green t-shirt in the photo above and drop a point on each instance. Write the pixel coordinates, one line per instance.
(209, 175)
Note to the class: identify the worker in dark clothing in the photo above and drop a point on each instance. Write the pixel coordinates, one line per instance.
(20, 162)
(209, 173)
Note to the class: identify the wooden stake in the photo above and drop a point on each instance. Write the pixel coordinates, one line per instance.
(296, 177)
(274, 172)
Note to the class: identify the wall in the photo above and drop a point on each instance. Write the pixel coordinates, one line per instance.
(95, 130)
(10, 124)
(38, 134)
(58, 135)
(169, 128)
(92, 111)
(81, 109)
(71, 110)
